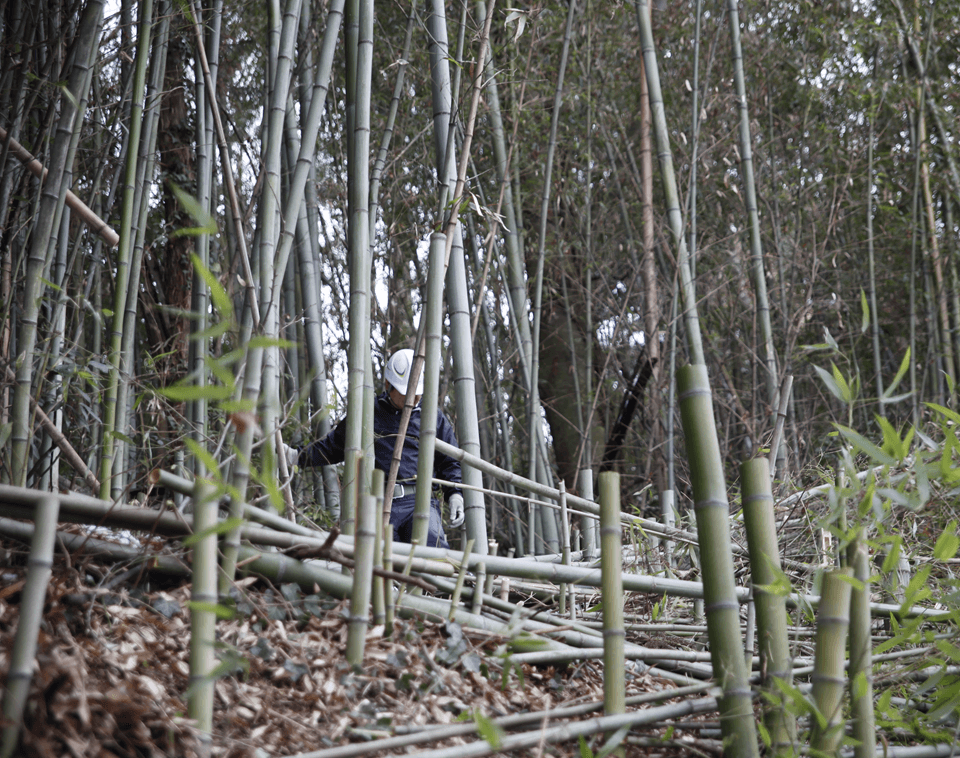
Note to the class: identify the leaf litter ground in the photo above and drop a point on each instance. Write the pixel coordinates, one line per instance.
(113, 671)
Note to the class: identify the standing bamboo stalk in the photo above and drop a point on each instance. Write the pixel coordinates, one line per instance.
(861, 664)
(359, 27)
(674, 215)
(719, 585)
(34, 594)
(51, 201)
(753, 214)
(611, 570)
(432, 315)
(828, 678)
(533, 407)
(111, 413)
(362, 579)
(203, 617)
(771, 608)
(452, 176)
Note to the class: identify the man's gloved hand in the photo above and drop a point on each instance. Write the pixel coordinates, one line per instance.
(456, 509)
(291, 454)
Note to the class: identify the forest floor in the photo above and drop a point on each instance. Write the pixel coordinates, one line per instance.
(113, 672)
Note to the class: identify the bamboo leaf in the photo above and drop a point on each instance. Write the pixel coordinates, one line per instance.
(865, 445)
(221, 527)
(949, 651)
(842, 383)
(892, 443)
(221, 611)
(206, 224)
(185, 392)
(893, 555)
(489, 731)
(828, 338)
(917, 590)
(864, 312)
(218, 295)
(220, 371)
(947, 543)
(212, 332)
(947, 413)
(901, 372)
(828, 380)
(613, 742)
(202, 454)
(266, 342)
(896, 398)
(122, 437)
(851, 580)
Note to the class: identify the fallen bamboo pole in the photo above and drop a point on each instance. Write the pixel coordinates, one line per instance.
(74, 203)
(18, 502)
(573, 730)
(432, 733)
(647, 525)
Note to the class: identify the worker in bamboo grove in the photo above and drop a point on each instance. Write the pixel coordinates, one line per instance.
(387, 410)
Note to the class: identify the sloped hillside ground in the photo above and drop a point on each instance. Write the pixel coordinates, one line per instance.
(113, 672)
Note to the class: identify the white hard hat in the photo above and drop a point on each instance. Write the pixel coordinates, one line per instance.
(398, 370)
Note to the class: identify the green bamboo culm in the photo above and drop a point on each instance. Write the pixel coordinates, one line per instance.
(719, 586)
(771, 607)
(203, 616)
(433, 315)
(388, 600)
(362, 579)
(108, 488)
(378, 601)
(43, 235)
(828, 679)
(611, 576)
(861, 652)
(359, 50)
(461, 577)
(34, 594)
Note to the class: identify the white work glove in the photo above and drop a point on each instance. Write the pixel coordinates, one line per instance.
(291, 454)
(456, 509)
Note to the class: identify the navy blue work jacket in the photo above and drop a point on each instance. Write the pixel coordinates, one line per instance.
(386, 424)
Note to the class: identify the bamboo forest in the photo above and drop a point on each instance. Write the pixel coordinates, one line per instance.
(469, 378)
